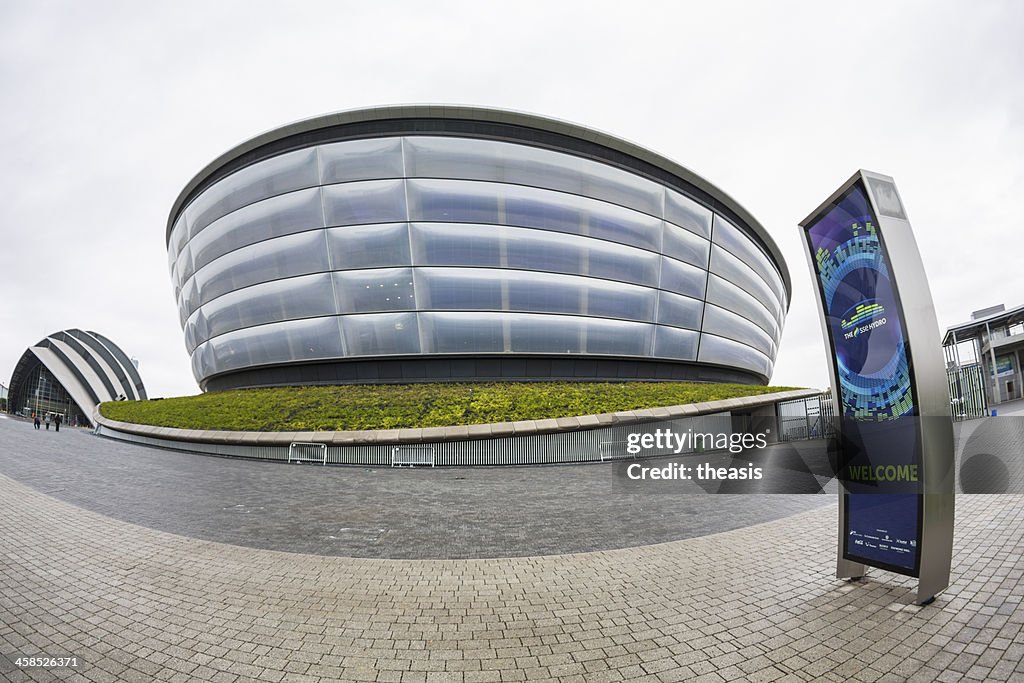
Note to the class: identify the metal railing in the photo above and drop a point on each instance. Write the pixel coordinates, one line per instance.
(307, 452)
(412, 456)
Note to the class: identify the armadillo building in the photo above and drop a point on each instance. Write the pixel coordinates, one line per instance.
(427, 243)
(70, 373)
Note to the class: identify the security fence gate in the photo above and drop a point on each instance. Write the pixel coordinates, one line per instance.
(967, 397)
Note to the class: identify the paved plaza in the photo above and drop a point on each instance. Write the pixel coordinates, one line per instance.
(753, 603)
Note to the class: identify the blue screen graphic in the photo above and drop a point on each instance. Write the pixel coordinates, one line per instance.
(881, 448)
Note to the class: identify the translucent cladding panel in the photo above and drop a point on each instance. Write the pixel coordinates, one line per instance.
(618, 338)
(685, 246)
(188, 301)
(179, 235)
(283, 342)
(380, 289)
(474, 289)
(679, 311)
(184, 265)
(308, 296)
(457, 244)
(361, 160)
(534, 333)
(682, 278)
(671, 342)
(547, 334)
(739, 244)
(462, 332)
(282, 257)
(607, 299)
(732, 298)
(495, 290)
(454, 244)
(191, 338)
(372, 201)
(723, 351)
(687, 213)
(261, 180)
(454, 201)
(381, 334)
(275, 217)
(369, 246)
(725, 324)
(477, 202)
(434, 157)
(732, 269)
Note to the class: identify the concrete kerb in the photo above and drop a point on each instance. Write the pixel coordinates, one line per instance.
(453, 433)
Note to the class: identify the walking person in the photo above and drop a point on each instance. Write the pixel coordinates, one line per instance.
(47, 422)
(57, 421)
(35, 419)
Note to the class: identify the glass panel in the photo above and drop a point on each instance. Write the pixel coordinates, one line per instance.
(679, 311)
(732, 298)
(292, 340)
(369, 246)
(275, 217)
(309, 296)
(742, 246)
(381, 334)
(685, 246)
(670, 342)
(361, 160)
(268, 260)
(725, 324)
(382, 289)
(261, 180)
(474, 245)
(682, 278)
(462, 332)
(687, 213)
(734, 354)
(475, 202)
(732, 269)
(461, 158)
(373, 201)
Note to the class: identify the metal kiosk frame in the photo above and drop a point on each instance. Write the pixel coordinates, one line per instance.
(927, 376)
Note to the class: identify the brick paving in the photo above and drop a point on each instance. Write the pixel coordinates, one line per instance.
(425, 513)
(757, 604)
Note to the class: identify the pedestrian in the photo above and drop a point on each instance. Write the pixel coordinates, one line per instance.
(57, 421)
(47, 422)
(35, 419)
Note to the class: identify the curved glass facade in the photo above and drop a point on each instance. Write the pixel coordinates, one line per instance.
(428, 245)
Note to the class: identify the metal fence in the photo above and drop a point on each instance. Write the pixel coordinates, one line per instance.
(807, 418)
(307, 452)
(592, 445)
(967, 394)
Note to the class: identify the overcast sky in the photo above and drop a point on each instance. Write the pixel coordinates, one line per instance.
(110, 108)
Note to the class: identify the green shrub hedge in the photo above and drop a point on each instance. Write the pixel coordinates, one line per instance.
(330, 408)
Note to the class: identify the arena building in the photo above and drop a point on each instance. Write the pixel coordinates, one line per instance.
(429, 243)
(69, 373)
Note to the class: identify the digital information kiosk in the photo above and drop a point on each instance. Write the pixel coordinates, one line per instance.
(896, 461)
